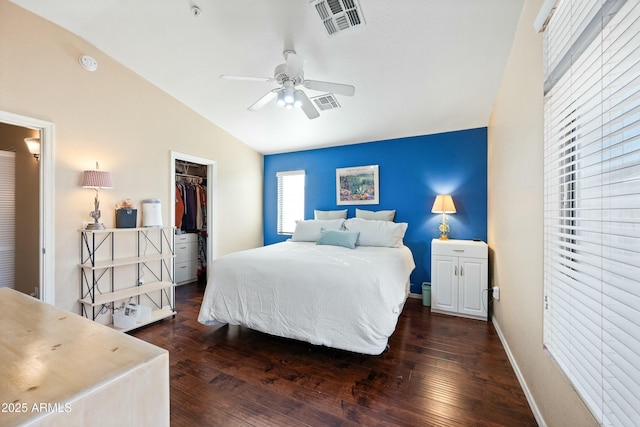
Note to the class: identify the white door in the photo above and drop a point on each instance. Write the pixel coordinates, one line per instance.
(473, 282)
(444, 283)
(7, 218)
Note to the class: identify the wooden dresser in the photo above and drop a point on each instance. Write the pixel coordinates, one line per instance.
(59, 368)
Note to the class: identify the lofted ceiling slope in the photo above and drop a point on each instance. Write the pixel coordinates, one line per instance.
(419, 66)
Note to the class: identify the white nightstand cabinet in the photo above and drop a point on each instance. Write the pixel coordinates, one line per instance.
(459, 278)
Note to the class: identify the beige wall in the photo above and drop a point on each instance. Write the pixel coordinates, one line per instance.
(516, 226)
(115, 117)
(27, 206)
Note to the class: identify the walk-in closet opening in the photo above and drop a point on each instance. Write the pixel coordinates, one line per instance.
(193, 181)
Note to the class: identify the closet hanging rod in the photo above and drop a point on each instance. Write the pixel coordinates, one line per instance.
(188, 176)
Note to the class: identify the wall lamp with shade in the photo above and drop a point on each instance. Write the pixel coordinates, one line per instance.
(33, 145)
(444, 205)
(97, 180)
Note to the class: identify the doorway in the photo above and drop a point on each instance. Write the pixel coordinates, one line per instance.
(44, 288)
(192, 171)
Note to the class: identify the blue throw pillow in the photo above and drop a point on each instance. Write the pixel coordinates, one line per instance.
(346, 239)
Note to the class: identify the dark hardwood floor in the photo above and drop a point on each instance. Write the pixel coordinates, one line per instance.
(440, 371)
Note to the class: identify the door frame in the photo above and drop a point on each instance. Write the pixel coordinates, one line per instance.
(47, 290)
(211, 198)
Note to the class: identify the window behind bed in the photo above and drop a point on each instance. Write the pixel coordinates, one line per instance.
(290, 200)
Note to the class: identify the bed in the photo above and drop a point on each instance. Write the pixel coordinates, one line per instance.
(345, 297)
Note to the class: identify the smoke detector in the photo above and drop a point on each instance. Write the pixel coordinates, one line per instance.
(88, 63)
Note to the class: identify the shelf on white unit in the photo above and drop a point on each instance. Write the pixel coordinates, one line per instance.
(116, 230)
(126, 261)
(126, 293)
(155, 316)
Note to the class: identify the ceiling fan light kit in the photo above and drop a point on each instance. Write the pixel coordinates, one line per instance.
(289, 75)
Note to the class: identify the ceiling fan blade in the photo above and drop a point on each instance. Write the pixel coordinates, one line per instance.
(339, 88)
(264, 100)
(253, 79)
(294, 64)
(306, 105)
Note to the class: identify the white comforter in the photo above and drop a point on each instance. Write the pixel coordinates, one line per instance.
(326, 295)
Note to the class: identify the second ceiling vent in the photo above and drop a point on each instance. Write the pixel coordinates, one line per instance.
(338, 15)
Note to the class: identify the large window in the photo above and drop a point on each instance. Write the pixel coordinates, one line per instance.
(290, 200)
(592, 202)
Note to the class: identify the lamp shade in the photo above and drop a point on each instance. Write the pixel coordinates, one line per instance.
(96, 179)
(443, 204)
(33, 145)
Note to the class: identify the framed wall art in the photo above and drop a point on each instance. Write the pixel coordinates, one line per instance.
(357, 186)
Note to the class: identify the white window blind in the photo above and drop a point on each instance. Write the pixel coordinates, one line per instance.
(592, 202)
(290, 200)
(7, 218)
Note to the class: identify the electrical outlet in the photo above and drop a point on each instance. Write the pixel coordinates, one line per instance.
(496, 293)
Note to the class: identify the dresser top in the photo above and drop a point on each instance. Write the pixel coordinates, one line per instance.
(50, 355)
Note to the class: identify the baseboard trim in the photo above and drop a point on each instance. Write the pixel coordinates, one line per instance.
(416, 296)
(516, 369)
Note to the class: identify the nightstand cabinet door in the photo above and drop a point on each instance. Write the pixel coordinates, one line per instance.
(473, 281)
(444, 295)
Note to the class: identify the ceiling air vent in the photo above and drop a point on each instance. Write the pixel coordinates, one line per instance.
(326, 102)
(339, 15)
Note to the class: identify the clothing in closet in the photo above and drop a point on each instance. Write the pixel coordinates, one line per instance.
(191, 204)
(179, 208)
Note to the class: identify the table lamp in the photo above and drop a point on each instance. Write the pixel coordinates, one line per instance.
(96, 179)
(444, 205)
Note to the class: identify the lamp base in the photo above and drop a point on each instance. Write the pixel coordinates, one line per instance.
(444, 231)
(95, 226)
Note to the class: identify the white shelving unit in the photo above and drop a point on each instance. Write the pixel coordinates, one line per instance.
(122, 260)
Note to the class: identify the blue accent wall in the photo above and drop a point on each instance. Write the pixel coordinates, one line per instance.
(412, 172)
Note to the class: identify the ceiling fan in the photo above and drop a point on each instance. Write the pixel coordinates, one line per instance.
(290, 75)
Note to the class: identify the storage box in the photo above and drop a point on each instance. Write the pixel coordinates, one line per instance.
(123, 320)
(144, 313)
(126, 218)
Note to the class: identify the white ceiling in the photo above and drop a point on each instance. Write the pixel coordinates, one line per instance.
(419, 66)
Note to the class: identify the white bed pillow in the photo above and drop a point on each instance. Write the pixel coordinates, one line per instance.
(340, 214)
(376, 215)
(377, 233)
(310, 230)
